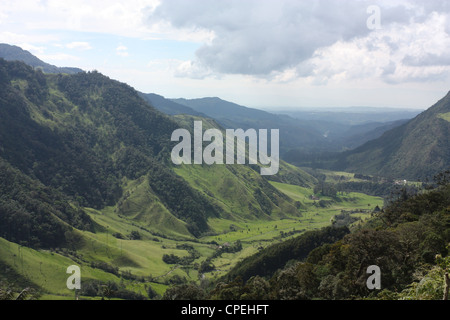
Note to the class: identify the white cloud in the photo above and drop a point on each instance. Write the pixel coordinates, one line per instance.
(122, 51)
(124, 18)
(319, 40)
(26, 40)
(79, 45)
(395, 54)
(193, 70)
(58, 57)
(3, 17)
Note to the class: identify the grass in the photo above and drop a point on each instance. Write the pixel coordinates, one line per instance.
(256, 234)
(143, 257)
(45, 269)
(445, 116)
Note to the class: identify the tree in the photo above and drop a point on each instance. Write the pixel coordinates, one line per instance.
(184, 292)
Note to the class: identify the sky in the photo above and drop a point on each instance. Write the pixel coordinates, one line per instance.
(257, 53)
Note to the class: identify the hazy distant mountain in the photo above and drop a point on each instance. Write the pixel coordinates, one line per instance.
(351, 115)
(417, 149)
(168, 106)
(306, 131)
(15, 53)
(218, 108)
(357, 135)
(294, 133)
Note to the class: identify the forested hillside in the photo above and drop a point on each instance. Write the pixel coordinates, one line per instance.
(86, 136)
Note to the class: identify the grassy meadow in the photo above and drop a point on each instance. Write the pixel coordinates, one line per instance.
(109, 254)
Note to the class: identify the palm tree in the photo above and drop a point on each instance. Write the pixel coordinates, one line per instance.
(8, 294)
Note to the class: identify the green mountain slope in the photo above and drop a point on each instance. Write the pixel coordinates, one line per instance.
(86, 135)
(418, 149)
(240, 191)
(98, 143)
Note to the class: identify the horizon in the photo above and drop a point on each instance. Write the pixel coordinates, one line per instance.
(263, 55)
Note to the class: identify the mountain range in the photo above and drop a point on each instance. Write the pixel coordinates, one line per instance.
(300, 131)
(86, 177)
(417, 149)
(302, 134)
(90, 138)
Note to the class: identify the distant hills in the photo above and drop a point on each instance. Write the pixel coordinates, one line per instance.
(294, 133)
(299, 131)
(15, 53)
(374, 140)
(168, 106)
(351, 115)
(417, 149)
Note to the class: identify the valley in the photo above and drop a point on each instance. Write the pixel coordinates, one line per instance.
(86, 179)
(112, 255)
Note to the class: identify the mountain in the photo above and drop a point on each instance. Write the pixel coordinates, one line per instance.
(168, 106)
(15, 53)
(95, 143)
(294, 133)
(357, 135)
(304, 132)
(86, 179)
(415, 150)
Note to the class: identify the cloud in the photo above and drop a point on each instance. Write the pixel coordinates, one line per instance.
(79, 45)
(2, 17)
(117, 17)
(327, 40)
(58, 57)
(258, 37)
(190, 69)
(122, 51)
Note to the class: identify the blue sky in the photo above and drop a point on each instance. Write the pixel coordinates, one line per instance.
(258, 53)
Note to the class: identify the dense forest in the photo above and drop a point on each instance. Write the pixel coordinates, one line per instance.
(35, 215)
